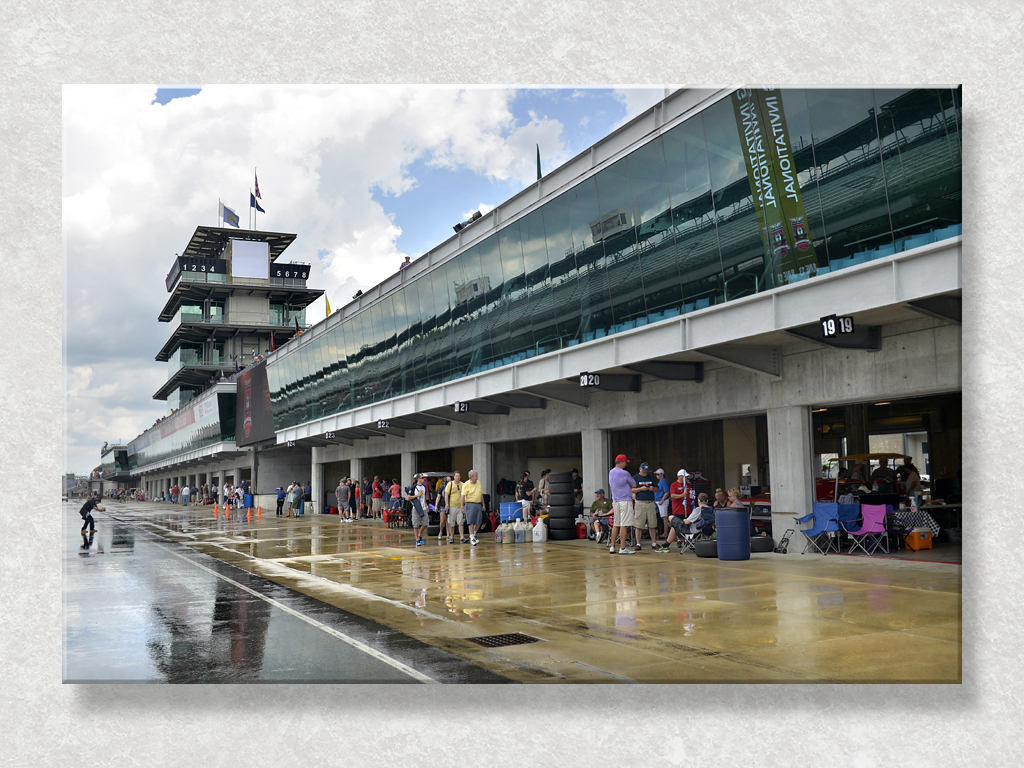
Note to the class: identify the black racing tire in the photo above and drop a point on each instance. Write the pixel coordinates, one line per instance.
(556, 534)
(762, 544)
(564, 511)
(561, 499)
(706, 548)
(561, 523)
(560, 477)
(560, 488)
(433, 530)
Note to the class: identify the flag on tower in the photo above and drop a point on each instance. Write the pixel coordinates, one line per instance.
(254, 204)
(228, 216)
(328, 301)
(257, 181)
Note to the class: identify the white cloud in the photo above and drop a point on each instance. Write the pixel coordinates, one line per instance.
(637, 101)
(484, 209)
(139, 177)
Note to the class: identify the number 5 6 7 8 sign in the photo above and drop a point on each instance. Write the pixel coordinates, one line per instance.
(832, 326)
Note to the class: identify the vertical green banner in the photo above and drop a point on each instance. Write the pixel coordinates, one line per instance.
(779, 204)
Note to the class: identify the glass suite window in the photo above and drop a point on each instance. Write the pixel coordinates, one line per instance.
(848, 165)
(677, 225)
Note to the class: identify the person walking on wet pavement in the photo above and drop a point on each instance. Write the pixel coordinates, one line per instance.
(420, 518)
(456, 514)
(86, 513)
(185, 493)
(280, 501)
(441, 507)
(473, 498)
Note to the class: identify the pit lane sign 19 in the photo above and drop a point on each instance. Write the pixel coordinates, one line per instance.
(832, 326)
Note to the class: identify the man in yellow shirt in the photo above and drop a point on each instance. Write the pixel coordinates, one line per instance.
(456, 514)
(473, 499)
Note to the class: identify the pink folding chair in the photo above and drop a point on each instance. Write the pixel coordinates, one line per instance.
(872, 530)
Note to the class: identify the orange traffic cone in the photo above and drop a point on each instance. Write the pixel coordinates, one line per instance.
(259, 512)
(214, 510)
(227, 511)
(248, 513)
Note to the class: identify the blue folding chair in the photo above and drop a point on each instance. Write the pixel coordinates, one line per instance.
(848, 516)
(823, 534)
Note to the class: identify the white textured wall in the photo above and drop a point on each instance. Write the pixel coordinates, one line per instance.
(975, 42)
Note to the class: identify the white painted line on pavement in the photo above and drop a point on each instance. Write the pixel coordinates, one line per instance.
(329, 630)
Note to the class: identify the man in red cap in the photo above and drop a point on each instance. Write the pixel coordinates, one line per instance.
(621, 484)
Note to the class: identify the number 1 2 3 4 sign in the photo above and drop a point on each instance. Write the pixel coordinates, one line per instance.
(832, 326)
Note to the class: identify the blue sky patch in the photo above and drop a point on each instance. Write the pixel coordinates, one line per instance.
(166, 95)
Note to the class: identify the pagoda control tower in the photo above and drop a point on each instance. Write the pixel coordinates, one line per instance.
(229, 296)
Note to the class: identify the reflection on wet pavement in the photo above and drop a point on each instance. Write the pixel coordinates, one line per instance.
(140, 609)
(602, 618)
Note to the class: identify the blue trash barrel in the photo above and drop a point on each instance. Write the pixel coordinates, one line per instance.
(732, 527)
(247, 500)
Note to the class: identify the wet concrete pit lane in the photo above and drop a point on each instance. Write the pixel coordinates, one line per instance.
(599, 618)
(140, 608)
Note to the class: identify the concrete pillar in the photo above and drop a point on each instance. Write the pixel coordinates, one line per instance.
(791, 473)
(356, 467)
(483, 463)
(317, 479)
(596, 463)
(408, 467)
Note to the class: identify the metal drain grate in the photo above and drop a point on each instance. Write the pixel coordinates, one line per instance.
(498, 641)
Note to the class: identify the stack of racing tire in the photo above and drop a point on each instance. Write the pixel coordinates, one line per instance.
(561, 507)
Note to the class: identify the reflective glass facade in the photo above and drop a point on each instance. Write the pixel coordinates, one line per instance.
(758, 190)
(194, 426)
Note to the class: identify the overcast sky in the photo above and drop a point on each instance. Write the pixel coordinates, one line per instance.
(363, 175)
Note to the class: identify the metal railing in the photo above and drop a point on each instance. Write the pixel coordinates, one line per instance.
(175, 276)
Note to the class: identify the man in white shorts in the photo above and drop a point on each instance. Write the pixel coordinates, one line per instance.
(621, 484)
(663, 499)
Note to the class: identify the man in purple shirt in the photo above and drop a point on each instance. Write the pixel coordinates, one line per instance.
(621, 484)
